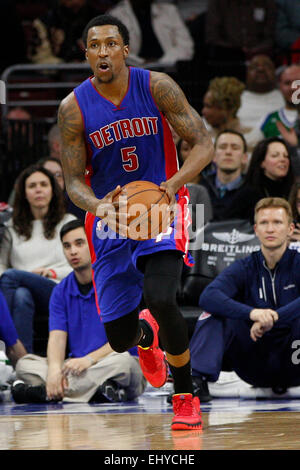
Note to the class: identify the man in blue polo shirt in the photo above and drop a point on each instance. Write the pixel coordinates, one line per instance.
(252, 310)
(93, 371)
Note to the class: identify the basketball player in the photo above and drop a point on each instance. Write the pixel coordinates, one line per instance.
(114, 130)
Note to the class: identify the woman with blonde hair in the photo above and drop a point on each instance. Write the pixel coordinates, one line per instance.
(221, 103)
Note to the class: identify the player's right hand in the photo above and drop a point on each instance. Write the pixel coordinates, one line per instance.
(265, 316)
(114, 214)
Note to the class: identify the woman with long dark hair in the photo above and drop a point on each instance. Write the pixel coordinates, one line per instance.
(31, 257)
(270, 172)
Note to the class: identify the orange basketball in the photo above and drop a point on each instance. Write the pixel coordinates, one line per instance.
(147, 210)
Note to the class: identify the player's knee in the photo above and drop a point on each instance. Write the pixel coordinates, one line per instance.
(160, 302)
(121, 345)
(123, 333)
(159, 291)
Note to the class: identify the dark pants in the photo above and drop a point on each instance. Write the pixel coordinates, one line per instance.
(270, 361)
(25, 294)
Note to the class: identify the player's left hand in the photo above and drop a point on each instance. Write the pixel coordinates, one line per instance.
(114, 214)
(76, 366)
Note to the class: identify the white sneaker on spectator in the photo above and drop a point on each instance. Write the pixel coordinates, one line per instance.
(228, 385)
(269, 393)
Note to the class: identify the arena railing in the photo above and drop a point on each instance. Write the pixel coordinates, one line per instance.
(13, 82)
(52, 72)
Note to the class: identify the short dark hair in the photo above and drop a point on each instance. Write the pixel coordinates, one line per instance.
(102, 20)
(72, 225)
(231, 131)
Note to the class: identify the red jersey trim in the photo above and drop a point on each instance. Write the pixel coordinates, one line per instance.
(89, 225)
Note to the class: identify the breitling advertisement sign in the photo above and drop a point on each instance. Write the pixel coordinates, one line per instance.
(223, 243)
(220, 244)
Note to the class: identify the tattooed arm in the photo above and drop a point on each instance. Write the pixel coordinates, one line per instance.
(188, 125)
(73, 159)
(73, 155)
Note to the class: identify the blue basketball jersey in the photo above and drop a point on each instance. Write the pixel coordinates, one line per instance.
(128, 142)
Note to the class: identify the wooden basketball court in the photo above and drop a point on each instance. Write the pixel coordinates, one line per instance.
(229, 424)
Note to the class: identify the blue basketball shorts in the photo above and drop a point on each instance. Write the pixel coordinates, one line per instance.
(117, 280)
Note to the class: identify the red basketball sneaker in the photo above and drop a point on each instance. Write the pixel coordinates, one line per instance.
(187, 412)
(152, 360)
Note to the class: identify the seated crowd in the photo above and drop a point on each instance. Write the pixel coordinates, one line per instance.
(250, 309)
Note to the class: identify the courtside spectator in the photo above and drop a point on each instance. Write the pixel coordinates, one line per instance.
(289, 114)
(270, 172)
(221, 103)
(252, 309)
(92, 371)
(231, 198)
(31, 257)
(283, 121)
(261, 95)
